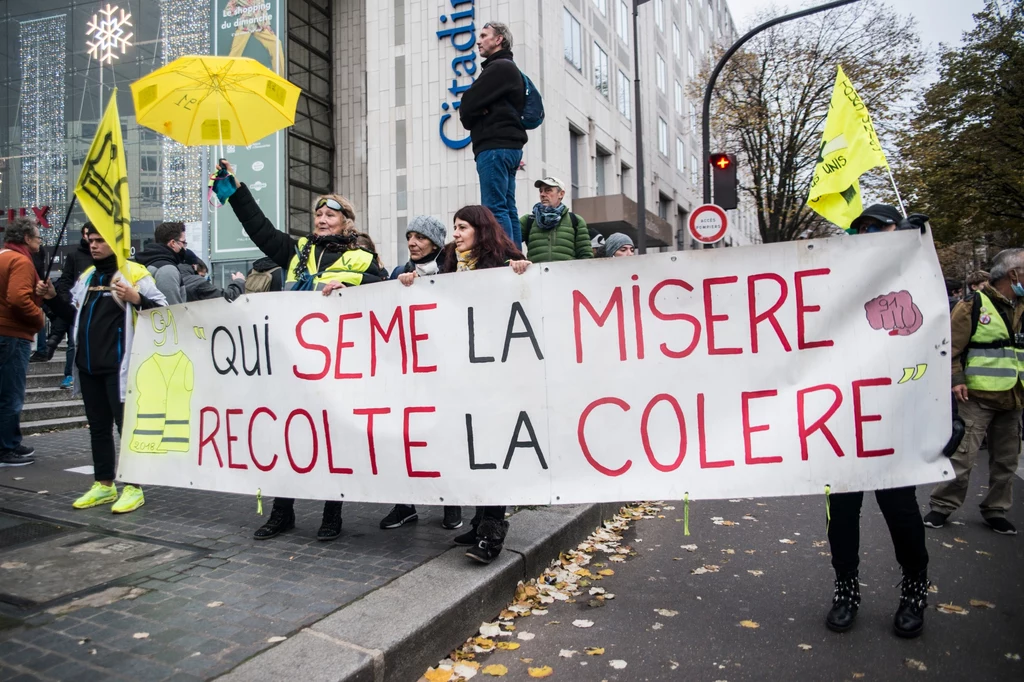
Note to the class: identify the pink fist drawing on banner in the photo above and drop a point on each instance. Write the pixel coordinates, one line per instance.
(894, 312)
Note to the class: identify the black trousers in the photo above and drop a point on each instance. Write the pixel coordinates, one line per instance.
(899, 507)
(331, 507)
(493, 513)
(101, 394)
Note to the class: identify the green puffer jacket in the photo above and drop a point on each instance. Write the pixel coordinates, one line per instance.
(558, 244)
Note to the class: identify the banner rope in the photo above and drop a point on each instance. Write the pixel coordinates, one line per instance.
(686, 514)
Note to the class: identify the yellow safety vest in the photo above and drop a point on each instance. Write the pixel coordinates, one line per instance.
(164, 385)
(993, 364)
(347, 269)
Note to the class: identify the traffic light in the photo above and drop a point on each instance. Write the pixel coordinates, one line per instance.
(723, 172)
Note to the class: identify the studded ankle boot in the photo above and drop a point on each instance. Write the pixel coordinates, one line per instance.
(845, 602)
(909, 619)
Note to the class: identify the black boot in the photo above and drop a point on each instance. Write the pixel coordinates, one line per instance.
(282, 518)
(845, 603)
(490, 538)
(467, 539)
(330, 527)
(909, 619)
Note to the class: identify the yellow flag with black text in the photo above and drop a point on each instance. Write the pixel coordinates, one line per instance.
(102, 187)
(849, 148)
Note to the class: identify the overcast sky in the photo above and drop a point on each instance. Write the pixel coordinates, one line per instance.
(938, 21)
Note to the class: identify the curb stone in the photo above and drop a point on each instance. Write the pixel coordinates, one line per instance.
(396, 632)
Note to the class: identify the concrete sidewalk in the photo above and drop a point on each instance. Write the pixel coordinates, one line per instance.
(179, 590)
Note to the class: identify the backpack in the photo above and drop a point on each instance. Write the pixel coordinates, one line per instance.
(533, 109)
(573, 218)
(258, 281)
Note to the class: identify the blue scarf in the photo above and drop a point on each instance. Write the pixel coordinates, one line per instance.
(547, 217)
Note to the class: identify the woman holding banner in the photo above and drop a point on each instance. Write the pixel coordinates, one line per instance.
(328, 258)
(480, 243)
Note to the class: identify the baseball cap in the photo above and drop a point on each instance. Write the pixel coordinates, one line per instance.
(550, 182)
(883, 213)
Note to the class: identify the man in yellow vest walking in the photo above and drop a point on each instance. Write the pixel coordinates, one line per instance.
(988, 371)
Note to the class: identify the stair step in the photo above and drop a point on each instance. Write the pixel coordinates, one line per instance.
(60, 409)
(54, 365)
(44, 380)
(43, 425)
(47, 395)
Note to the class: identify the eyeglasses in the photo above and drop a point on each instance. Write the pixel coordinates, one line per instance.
(334, 205)
(182, 242)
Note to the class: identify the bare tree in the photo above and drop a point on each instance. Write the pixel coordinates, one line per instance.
(772, 98)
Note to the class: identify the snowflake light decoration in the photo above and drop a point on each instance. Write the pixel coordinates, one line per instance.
(108, 34)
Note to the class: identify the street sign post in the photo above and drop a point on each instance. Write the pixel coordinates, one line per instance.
(708, 223)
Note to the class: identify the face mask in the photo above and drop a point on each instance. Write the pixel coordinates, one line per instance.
(1018, 289)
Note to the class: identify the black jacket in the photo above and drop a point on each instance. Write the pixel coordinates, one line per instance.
(491, 110)
(74, 265)
(199, 289)
(281, 246)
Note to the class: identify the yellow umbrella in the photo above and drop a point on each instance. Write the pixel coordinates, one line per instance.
(203, 100)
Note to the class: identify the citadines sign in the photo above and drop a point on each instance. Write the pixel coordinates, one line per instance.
(256, 29)
(459, 29)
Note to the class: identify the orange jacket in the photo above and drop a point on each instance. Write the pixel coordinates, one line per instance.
(20, 314)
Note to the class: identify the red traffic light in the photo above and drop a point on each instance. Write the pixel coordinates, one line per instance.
(721, 161)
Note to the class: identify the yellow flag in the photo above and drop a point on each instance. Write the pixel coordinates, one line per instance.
(849, 147)
(102, 187)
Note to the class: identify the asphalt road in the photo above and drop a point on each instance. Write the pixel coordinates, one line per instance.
(788, 600)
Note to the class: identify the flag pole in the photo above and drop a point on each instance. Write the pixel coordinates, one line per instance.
(899, 199)
(63, 230)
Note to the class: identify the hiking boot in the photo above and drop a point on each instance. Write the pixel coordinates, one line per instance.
(330, 527)
(98, 494)
(130, 500)
(909, 619)
(490, 539)
(1001, 525)
(845, 602)
(399, 515)
(452, 518)
(935, 519)
(281, 519)
(68, 383)
(10, 458)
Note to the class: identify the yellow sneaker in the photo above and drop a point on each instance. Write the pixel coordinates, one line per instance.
(98, 494)
(131, 499)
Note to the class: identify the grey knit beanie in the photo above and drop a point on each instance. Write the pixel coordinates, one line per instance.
(614, 242)
(430, 227)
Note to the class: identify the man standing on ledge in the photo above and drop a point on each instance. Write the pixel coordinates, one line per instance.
(491, 110)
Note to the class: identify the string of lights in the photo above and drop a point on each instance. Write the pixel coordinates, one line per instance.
(186, 30)
(44, 162)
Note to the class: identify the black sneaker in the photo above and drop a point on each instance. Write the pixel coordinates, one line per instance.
(467, 539)
(935, 519)
(452, 518)
(399, 515)
(9, 458)
(1001, 525)
(24, 450)
(38, 357)
(280, 520)
(330, 527)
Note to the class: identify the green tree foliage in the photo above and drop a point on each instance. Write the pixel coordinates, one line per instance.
(772, 98)
(965, 145)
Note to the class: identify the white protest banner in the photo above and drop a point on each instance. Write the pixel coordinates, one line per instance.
(768, 370)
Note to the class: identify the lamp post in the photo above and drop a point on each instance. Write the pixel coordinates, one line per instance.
(641, 202)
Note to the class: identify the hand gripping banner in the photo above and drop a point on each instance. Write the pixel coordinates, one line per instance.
(743, 372)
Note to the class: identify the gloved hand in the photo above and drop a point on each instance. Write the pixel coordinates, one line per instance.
(959, 430)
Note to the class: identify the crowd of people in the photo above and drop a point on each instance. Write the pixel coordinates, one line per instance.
(94, 302)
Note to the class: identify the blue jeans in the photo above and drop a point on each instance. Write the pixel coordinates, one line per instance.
(14, 354)
(497, 170)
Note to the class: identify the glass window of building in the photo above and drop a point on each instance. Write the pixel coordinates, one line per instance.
(680, 156)
(573, 40)
(604, 158)
(625, 108)
(662, 136)
(575, 140)
(691, 69)
(660, 71)
(694, 170)
(711, 14)
(601, 70)
(659, 14)
(602, 6)
(700, 39)
(677, 41)
(624, 21)
(689, 14)
(693, 118)
(679, 99)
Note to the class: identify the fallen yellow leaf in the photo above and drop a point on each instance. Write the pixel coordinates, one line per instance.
(495, 670)
(584, 573)
(526, 660)
(438, 675)
(982, 604)
(595, 651)
(543, 671)
(483, 642)
(952, 608)
(749, 624)
(960, 540)
(606, 571)
(507, 615)
(507, 646)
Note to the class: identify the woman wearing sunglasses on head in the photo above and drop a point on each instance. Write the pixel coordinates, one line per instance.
(326, 259)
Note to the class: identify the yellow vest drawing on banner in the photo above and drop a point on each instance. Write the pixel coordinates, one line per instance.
(164, 385)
